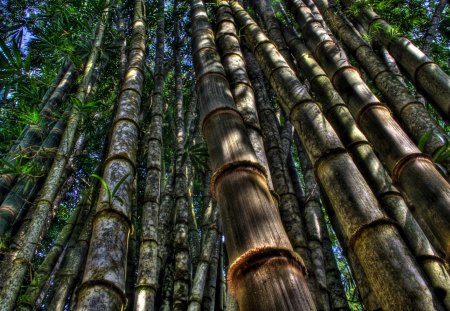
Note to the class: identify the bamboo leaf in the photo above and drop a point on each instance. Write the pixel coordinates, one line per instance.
(423, 141)
(104, 184)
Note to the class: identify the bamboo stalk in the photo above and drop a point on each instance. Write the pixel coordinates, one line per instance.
(369, 233)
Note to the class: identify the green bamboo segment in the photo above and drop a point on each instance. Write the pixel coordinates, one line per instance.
(147, 280)
(234, 64)
(430, 193)
(27, 186)
(369, 164)
(103, 284)
(422, 71)
(412, 113)
(257, 244)
(372, 236)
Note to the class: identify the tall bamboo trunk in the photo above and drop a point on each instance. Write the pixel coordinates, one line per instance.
(182, 254)
(288, 204)
(209, 298)
(412, 113)
(430, 33)
(371, 167)
(373, 237)
(147, 280)
(430, 193)
(103, 284)
(210, 235)
(76, 251)
(32, 234)
(422, 71)
(257, 244)
(240, 86)
(43, 273)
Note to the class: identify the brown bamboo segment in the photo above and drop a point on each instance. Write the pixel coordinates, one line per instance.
(256, 240)
(412, 113)
(103, 284)
(422, 71)
(400, 155)
(241, 88)
(288, 204)
(370, 166)
(370, 234)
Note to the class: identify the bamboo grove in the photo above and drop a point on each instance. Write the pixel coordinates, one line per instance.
(226, 155)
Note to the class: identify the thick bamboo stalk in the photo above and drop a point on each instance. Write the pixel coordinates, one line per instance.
(257, 244)
(103, 284)
(411, 112)
(288, 203)
(422, 71)
(241, 88)
(373, 237)
(147, 280)
(371, 167)
(265, 11)
(430, 193)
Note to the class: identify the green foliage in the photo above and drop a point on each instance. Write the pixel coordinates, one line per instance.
(112, 195)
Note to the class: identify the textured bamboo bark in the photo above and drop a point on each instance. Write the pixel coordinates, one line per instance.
(264, 9)
(422, 71)
(370, 166)
(430, 193)
(103, 284)
(147, 281)
(257, 244)
(210, 235)
(288, 204)
(434, 25)
(241, 88)
(27, 186)
(411, 112)
(43, 273)
(372, 236)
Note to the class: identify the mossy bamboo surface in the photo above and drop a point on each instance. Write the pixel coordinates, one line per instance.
(369, 164)
(372, 236)
(422, 71)
(431, 192)
(103, 284)
(414, 116)
(257, 244)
